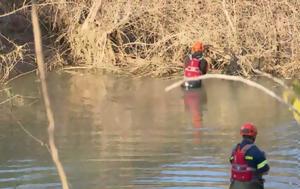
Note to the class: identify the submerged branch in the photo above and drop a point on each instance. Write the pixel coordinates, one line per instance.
(28, 132)
(9, 99)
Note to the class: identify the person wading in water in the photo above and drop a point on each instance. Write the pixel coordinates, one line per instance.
(248, 162)
(195, 65)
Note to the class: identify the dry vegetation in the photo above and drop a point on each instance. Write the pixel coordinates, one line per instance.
(9, 60)
(151, 37)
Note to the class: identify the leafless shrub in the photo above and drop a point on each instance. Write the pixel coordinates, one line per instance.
(127, 35)
(8, 61)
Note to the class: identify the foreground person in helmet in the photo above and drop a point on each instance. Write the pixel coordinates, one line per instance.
(195, 66)
(248, 162)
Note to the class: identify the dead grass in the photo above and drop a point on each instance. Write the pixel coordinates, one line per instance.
(151, 37)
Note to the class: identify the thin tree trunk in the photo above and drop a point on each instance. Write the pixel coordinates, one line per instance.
(42, 76)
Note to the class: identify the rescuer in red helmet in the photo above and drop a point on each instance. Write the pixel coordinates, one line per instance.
(195, 65)
(248, 162)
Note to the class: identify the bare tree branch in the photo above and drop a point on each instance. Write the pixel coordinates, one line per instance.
(93, 13)
(228, 17)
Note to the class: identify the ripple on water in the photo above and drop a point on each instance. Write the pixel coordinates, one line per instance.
(25, 174)
(195, 173)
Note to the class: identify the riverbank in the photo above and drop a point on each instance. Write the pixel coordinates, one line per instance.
(152, 38)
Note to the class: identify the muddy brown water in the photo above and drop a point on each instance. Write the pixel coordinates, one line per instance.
(117, 132)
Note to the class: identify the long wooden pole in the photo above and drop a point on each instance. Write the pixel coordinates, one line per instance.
(42, 76)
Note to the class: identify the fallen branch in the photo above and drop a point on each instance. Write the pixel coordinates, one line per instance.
(235, 78)
(279, 81)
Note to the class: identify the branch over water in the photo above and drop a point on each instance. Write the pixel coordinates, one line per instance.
(235, 78)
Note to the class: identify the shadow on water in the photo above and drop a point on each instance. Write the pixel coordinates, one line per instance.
(116, 132)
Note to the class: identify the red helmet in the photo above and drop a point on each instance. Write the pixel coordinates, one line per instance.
(248, 129)
(197, 47)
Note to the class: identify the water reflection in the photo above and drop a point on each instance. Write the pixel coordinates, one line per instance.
(116, 132)
(194, 101)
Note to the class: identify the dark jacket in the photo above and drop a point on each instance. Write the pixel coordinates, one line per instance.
(255, 158)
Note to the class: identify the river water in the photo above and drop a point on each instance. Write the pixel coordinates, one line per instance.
(116, 132)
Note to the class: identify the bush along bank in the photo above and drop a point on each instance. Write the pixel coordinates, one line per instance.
(17, 54)
(151, 38)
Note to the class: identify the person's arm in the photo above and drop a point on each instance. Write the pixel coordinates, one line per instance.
(262, 165)
(203, 66)
(257, 160)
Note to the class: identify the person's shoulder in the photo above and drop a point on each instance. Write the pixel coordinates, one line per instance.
(254, 146)
(255, 150)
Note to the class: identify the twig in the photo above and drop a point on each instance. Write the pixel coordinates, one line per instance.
(9, 99)
(28, 6)
(93, 13)
(235, 78)
(42, 76)
(20, 75)
(228, 17)
(29, 133)
(77, 68)
(10, 41)
(13, 12)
